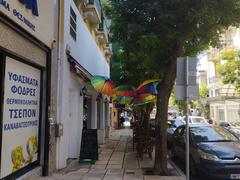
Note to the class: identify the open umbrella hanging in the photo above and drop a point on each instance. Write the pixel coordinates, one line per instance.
(144, 98)
(103, 85)
(124, 90)
(123, 100)
(148, 86)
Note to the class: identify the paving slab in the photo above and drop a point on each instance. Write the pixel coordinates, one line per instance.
(164, 178)
(114, 166)
(103, 162)
(98, 174)
(115, 162)
(83, 170)
(133, 177)
(130, 164)
(91, 177)
(133, 172)
(98, 166)
(116, 158)
(115, 171)
(112, 177)
(97, 171)
(146, 164)
(47, 178)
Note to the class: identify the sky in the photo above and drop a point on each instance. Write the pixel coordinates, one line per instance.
(202, 64)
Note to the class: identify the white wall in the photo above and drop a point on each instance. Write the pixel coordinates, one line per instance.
(84, 49)
(70, 104)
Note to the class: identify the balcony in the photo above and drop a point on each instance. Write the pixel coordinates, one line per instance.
(214, 79)
(108, 50)
(93, 11)
(102, 32)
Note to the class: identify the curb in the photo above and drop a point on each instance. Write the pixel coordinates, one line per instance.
(180, 172)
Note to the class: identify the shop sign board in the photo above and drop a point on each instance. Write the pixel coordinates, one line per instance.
(35, 16)
(20, 120)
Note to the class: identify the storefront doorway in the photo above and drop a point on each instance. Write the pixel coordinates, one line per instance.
(87, 111)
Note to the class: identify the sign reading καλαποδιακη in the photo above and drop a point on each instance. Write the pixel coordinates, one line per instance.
(20, 123)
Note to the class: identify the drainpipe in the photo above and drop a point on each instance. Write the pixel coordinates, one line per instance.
(49, 122)
(60, 58)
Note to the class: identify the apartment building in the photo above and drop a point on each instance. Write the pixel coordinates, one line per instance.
(84, 51)
(223, 100)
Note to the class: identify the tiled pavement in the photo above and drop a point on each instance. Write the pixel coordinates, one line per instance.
(117, 161)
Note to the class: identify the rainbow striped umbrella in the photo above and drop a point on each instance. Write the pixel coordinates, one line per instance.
(123, 99)
(148, 86)
(103, 85)
(144, 99)
(124, 90)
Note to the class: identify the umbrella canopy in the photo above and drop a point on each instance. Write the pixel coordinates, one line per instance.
(124, 90)
(123, 99)
(148, 86)
(103, 85)
(144, 99)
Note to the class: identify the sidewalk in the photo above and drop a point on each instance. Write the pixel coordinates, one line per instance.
(117, 161)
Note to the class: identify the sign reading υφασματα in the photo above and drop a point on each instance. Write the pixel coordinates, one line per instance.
(20, 116)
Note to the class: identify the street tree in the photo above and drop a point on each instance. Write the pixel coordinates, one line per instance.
(228, 66)
(153, 33)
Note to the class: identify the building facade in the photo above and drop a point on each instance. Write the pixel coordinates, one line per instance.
(27, 50)
(223, 100)
(84, 51)
(202, 77)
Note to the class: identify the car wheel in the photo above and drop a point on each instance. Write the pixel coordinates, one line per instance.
(193, 168)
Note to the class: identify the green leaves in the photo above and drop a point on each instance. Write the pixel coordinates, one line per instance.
(148, 31)
(228, 66)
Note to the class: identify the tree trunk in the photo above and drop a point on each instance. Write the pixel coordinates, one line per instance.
(160, 165)
(164, 91)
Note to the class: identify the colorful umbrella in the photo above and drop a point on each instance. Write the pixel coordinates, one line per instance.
(124, 90)
(144, 99)
(148, 86)
(123, 99)
(103, 85)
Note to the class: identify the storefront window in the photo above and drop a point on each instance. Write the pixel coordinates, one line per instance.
(20, 116)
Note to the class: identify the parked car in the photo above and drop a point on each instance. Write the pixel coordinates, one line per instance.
(195, 120)
(172, 126)
(214, 151)
(233, 127)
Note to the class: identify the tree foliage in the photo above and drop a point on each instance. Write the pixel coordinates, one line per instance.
(228, 66)
(201, 104)
(152, 34)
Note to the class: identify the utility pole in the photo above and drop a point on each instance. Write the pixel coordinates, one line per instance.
(186, 89)
(187, 122)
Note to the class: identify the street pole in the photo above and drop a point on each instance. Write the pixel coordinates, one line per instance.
(186, 89)
(187, 122)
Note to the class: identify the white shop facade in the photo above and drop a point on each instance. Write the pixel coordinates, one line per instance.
(26, 36)
(80, 106)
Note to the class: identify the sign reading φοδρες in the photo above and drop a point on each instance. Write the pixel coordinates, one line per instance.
(21, 110)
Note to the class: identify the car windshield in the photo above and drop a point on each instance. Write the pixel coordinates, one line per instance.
(198, 120)
(211, 134)
(178, 122)
(175, 123)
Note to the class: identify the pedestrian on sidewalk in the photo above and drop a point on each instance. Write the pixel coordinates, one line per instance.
(122, 120)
